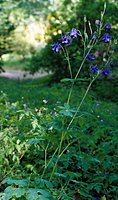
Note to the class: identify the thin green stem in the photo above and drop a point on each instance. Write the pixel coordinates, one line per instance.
(81, 102)
(68, 60)
(60, 146)
(69, 96)
(83, 61)
(60, 156)
(101, 20)
(64, 188)
(45, 152)
(49, 162)
(70, 93)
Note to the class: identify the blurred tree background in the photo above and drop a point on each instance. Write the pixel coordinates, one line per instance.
(29, 27)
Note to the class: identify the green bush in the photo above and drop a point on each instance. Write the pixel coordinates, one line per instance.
(87, 163)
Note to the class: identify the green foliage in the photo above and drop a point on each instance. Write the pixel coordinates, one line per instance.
(86, 169)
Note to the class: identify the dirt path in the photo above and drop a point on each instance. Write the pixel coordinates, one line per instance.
(18, 74)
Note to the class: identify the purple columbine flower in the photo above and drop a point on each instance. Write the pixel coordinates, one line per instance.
(73, 33)
(90, 57)
(106, 38)
(66, 40)
(108, 26)
(56, 47)
(106, 71)
(94, 69)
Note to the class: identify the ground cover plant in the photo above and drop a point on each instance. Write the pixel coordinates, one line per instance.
(62, 148)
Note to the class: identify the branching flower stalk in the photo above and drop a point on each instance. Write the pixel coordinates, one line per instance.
(68, 60)
(96, 71)
(80, 68)
(78, 108)
(59, 156)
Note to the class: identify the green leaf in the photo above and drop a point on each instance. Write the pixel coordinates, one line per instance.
(66, 106)
(95, 160)
(103, 198)
(32, 194)
(74, 80)
(10, 181)
(82, 121)
(68, 80)
(34, 123)
(43, 183)
(66, 113)
(41, 197)
(9, 191)
(60, 175)
(44, 192)
(113, 178)
(34, 141)
(18, 192)
(85, 194)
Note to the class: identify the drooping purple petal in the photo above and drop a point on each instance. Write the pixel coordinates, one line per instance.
(56, 47)
(94, 69)
(90, 57)
(73, 33)
(106, 38)
(66, 40)
(106, 71)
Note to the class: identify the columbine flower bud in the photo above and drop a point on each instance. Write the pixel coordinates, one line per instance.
(108, 26)
(97, 22)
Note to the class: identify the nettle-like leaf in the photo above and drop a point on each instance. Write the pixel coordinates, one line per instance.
(19, 192)
(66, 111)
(35, 193)
(9, 192)
(32, 194)
(14, 192)
(43, 183)
(21, 183)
